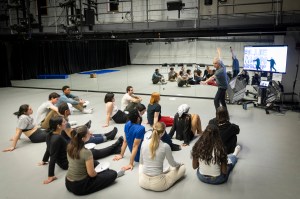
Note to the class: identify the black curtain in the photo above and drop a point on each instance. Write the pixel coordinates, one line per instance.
(31, 58)
(4, 76)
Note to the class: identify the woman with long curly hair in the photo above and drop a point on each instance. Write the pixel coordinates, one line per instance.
(210, 159)
(228, 130)
(153, 154)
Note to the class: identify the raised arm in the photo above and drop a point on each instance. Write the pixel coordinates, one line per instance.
(232, 53)
(219, 53)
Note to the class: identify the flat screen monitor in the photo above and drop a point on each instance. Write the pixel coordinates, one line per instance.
(265, 58)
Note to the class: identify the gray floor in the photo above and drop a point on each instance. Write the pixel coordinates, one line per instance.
(268, 166)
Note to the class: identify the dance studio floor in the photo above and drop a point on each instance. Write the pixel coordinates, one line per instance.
(268, 166)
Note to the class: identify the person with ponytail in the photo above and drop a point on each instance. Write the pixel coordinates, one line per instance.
(56, 147)
(210, 158)
(153, 154)
(81, 178)
(26, 125)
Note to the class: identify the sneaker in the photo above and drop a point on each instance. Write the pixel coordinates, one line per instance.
(86, 103)
(188, 85)
(112, 134)
(87, 111)
(118, 145)
(120, 173)
(72, 123)
(237, 150)
(88, 124)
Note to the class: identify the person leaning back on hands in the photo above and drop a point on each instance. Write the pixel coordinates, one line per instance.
(134, 135)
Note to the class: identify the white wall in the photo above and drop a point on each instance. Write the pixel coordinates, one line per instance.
(186, 52)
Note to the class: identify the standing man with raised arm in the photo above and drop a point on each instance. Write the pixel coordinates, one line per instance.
(235, 64)
(221, 78)
(129, 100)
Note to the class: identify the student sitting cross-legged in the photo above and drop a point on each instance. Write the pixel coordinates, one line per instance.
(153, 154)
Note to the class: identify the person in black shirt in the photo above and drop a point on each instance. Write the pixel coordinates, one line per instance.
(56, 147)
(228, 131)
(186, 125)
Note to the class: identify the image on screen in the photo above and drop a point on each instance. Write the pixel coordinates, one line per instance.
(265, 58)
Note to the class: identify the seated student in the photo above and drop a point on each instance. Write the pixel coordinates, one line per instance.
(65, 110)
(26, 125)
(190, 80)
(197, 76)
(81, 178)
(134, 135)
(172, 75)
(182, 79)
(244, 75)
(157, 77)
(112, 111)
(153, 154)
(129, 100)
(228, 131)
(213, 81)
(186, 125)
(210, 159)
(47, 110)
(77, 103)
(56, 147)
(154, 115)
(206, 74)
(154, 111)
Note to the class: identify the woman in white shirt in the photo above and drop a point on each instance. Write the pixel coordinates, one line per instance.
(112, 111)
(26, 126)
(153, 153)
(210, 158)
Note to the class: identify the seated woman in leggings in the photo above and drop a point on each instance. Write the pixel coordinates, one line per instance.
(26, 125)
(81, 178)
(112, 111)
(210, 158)
(185, 125)
(153, 154)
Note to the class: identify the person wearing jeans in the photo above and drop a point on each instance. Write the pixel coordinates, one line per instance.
(210, 158)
